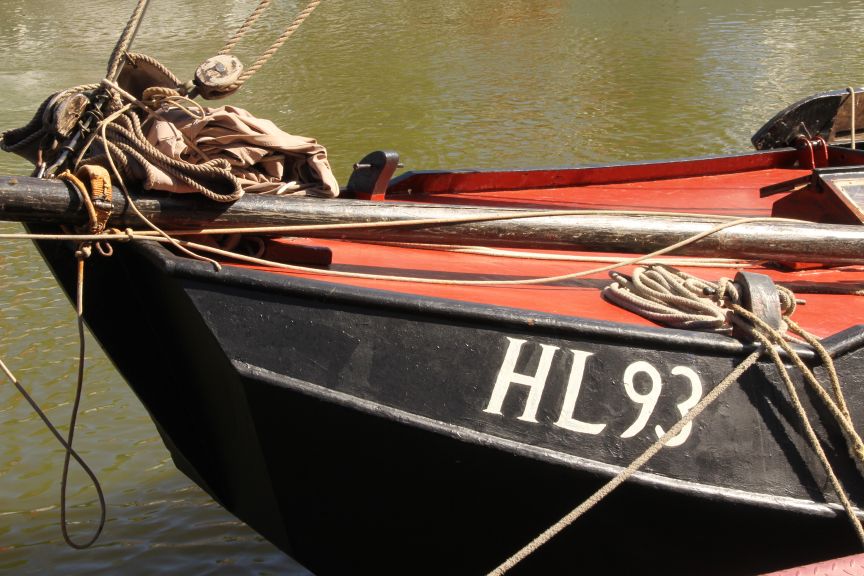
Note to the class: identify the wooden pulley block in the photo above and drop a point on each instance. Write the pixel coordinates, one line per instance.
(67, 112)
(216, 77)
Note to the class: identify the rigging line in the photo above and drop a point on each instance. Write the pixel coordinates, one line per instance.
(125, 40)
(250, 20)
(267, 54)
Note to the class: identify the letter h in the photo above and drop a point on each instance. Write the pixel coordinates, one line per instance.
(507, 376)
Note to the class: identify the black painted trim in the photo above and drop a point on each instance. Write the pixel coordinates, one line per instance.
(513, 318)
(461, 434)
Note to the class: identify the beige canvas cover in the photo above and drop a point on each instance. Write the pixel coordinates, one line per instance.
(264, 158)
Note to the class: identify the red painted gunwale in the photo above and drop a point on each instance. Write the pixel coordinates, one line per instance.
(727, 186)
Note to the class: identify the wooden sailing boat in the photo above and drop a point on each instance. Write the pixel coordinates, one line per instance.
(366, 423)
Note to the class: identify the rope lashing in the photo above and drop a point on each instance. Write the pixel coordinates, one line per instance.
(678, 299)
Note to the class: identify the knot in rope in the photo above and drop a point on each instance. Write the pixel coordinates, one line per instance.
(154, 97)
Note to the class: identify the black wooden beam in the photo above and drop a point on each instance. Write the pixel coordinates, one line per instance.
(33, 200)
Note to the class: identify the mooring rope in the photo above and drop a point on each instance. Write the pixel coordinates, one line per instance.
(625, 474)
(675, 286)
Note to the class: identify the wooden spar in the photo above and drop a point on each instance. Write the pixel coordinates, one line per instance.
(34, 200)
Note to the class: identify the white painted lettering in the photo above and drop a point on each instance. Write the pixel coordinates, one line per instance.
(507, 375)
(684, 407)
(574, 385)
(647, 400)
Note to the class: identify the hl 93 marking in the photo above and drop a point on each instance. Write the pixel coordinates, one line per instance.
(641, 370)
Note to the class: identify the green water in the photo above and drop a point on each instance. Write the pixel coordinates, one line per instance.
(447, 83)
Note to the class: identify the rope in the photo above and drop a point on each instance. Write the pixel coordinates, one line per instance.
(133, 153)
(667, 287)
(125, 40)
(673, 298)
(267, 54)
(138, 213)
(622, 476)
(524, 255)
(70, 453)
(777, 338)
(238, 35)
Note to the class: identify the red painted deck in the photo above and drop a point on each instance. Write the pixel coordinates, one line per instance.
(735, 193)
(724, 194)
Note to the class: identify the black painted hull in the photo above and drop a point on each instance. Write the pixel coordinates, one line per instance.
(356, 429)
